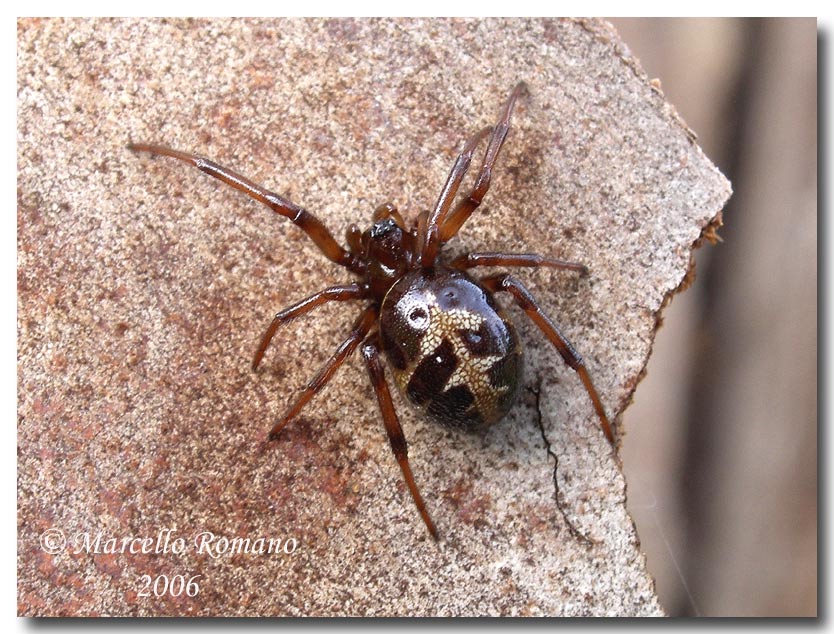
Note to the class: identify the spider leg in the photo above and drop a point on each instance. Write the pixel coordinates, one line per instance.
(428, 225)
(306, 221)
(332, 294)
(370, 352)
(454, 221)
(360, 330)
(471, 260)
(527, 303)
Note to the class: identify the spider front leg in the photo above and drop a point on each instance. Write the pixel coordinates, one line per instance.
(428, 225)
(360, 330)
(332, 294)
(370, 352)
(451, 224)
(302, 218)
(527, 303)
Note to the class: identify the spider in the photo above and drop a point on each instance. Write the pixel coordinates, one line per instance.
(451, 349)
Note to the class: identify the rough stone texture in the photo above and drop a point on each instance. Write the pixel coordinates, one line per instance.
(144, 286)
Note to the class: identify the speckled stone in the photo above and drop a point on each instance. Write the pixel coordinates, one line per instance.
(144, 285)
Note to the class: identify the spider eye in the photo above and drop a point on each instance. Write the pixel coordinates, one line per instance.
(382, 227)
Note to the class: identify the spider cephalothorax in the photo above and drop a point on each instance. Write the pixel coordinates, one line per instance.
(452, 350)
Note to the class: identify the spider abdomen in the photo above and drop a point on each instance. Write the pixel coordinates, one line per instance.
(451, 349)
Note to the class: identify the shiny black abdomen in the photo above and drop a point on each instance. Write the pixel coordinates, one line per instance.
(450, 347)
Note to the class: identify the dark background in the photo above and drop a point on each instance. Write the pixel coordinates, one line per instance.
(721, 446)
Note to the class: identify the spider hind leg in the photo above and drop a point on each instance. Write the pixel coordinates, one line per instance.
(525, 300)
(370, 352)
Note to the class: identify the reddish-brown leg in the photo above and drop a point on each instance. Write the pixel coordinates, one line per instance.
(454, 221)
(370, 352)
(471, 260)
(306, 221)
(332, 294)
(527, 303)
(360, 330)
(428, 224)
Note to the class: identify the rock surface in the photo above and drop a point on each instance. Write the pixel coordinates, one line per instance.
(144, 285)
